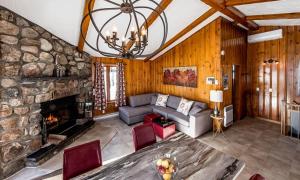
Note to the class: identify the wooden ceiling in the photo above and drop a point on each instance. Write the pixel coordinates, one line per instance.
(225, 7)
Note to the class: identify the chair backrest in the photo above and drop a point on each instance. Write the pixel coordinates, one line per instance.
(143, 135)
(82, 158)
(257, 177)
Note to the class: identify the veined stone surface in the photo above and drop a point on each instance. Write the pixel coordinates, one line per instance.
(10, 53)
(195, 161)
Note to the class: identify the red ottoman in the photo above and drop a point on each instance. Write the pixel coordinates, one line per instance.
(164, 129)
(150, 117)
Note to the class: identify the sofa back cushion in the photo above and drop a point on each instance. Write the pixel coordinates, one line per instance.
(140, 100)
(173, 102)
(153, 99)
(200, 104)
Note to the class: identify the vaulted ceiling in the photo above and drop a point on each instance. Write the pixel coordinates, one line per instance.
(185, 17)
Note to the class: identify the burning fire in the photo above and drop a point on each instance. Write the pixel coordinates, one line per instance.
(51, 119)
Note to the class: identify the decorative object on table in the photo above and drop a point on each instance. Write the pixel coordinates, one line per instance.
(134, 37)
(149, 118)
(216, 96)
(225, 82)
(99, 88)
(217, 124)
(59, 70)
(185, 106)
(180, 76)
(166, 167)
(121, 93)
(163, 127)
(161, 100)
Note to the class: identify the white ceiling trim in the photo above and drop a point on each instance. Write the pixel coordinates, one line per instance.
(278, 22)
(190, 33)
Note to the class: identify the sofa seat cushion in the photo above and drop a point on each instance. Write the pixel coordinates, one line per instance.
(135, 111)
(179, 117)
(164, 111)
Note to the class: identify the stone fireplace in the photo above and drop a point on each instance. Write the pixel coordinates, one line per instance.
(58, 116)
(28, 87)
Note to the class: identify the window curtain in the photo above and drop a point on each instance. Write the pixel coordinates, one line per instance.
(121, 97)
(99, 88)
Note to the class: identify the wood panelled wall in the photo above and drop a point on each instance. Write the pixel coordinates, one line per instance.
(137, 76)
(270, 84)
(202, 49)
(234, 45)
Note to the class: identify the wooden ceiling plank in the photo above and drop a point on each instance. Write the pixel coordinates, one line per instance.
(85, 24)
(152, 17)
(274, 16)
(243, 2)
(191, 26)
(237, 18)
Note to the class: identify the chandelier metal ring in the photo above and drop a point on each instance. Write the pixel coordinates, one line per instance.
(130, 47)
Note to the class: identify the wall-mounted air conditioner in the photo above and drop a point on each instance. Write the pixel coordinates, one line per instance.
(266, 36)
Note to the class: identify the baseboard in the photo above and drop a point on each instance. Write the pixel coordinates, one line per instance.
(268, 120)
(106, 116)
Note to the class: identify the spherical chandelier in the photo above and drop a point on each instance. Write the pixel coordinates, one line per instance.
(134, 39)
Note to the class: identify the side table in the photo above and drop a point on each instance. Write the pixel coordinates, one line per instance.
(217, 124)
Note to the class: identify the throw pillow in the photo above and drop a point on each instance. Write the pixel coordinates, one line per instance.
(162, 100)
(185, 106)
(195, 110)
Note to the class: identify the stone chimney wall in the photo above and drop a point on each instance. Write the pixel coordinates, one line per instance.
(27, 60)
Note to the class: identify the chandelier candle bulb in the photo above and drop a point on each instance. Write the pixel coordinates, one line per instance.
(132, 33)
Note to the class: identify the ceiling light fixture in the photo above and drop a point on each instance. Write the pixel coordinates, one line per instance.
(133, 44)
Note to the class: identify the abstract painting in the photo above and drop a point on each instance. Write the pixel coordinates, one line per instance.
(180, 76)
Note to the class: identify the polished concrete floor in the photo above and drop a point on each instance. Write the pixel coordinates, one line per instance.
(256, 142)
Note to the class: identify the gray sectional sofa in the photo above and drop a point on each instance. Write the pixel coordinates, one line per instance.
(193, 125)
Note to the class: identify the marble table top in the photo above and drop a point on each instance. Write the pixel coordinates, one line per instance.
(196, 161)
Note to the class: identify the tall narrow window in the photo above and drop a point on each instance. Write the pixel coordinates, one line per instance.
(110, 77)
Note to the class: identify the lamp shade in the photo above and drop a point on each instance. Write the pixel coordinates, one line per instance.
(216, 96)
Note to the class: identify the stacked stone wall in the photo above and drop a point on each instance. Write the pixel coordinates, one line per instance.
(27, 62)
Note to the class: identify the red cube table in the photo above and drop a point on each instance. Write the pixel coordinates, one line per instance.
(163, 128)
(150, 117)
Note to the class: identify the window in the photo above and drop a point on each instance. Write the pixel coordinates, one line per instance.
(110, 78)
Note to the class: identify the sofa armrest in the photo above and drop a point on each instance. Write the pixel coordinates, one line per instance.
(200, 123)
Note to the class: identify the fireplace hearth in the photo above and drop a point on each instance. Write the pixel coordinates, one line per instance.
(63, 121)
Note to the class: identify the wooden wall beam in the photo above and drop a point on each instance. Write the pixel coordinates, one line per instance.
(152, 17)
(185, 30)
(237, 18)
(243, 2)
(85, 25)
(274, 16)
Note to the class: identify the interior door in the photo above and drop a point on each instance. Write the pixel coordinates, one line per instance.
(236, 92)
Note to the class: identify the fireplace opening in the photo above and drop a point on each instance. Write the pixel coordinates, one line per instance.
(58, 116)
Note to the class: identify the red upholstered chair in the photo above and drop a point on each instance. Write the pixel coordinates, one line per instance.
(143, 136)
(257, 177)
(82, 158)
